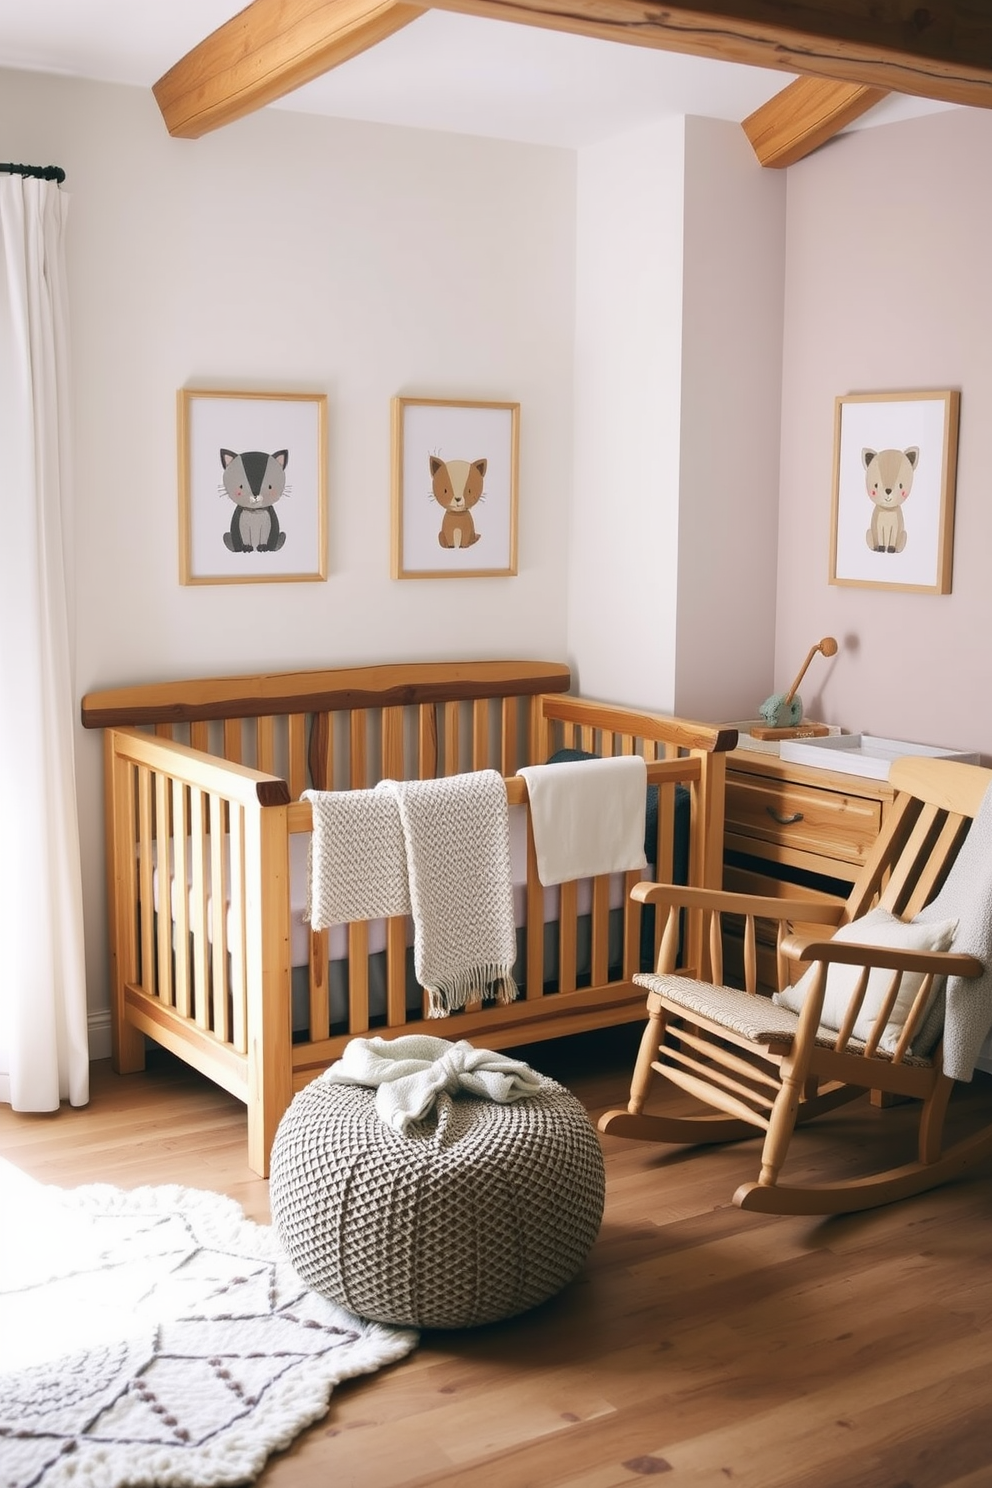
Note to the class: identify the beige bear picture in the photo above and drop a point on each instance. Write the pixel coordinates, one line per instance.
(900, 451)
(889, 480)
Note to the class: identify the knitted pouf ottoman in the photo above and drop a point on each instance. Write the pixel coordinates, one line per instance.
(430, 1184)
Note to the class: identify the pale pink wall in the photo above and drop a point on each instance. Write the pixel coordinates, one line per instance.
(888, 288)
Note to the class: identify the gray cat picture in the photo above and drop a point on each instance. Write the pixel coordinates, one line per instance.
(254, 481)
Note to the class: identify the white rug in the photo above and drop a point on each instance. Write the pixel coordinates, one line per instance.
(158, 1337)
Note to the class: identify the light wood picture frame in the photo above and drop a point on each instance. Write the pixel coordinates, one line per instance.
(454, 488)
(252, 487)
(895, 465)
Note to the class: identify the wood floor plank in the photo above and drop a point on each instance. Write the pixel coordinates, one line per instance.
(699, 1343)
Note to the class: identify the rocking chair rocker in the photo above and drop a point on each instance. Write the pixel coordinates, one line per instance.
(897, 1001)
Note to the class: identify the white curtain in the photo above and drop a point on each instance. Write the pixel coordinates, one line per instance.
(43, 1035)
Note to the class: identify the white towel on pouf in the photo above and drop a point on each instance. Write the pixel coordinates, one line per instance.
(409, 1073)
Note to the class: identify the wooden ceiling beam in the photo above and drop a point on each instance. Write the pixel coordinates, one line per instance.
(266, 51)
(940, 50)
(803, 116)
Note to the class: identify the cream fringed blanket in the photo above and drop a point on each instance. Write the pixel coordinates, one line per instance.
(439, 849)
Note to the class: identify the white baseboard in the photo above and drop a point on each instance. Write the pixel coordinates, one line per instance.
(99, 1034)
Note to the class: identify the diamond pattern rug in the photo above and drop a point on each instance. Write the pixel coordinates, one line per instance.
(158, 1337)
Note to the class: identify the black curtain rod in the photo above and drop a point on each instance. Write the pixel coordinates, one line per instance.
(39, 172)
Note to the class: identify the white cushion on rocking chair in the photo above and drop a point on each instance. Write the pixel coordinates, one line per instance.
(877, 928)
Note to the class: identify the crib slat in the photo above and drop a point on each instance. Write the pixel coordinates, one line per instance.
(539, 730)
(663, 848)
(320, 755)
(427, 742)
(451, 738)
(164, 917)
(535, 920)
(199, 735)
(238, 933)
(320, 999)
(147, 892)
(218, 921)
(396, 971)
(358, 976)
(600, 949)
(180, 913)
(359, 751)
(233, 747)
(128, 855)
(296, 738)
(508, 736)
(480, 734)
(265, 750)
(567, 932)
(201, 976)
(392, 744)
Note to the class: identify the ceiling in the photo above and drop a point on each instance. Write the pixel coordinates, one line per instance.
(445, 71)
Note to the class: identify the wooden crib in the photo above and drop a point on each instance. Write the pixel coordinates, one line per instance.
(205, 776)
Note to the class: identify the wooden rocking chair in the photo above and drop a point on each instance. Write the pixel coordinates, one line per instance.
(757, 1064)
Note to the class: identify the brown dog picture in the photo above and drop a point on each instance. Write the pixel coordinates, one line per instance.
(457, 487)
(454, 489)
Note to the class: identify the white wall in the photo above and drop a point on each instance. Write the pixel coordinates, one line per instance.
(294, 253)
(623, 558)
(680, 263)
(731, 385)
(888, 289)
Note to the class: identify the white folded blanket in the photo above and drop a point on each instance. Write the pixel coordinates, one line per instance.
(410, 1072)
(588, 816)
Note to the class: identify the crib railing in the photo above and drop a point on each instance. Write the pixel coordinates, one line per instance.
(352, 727)
(207, 977)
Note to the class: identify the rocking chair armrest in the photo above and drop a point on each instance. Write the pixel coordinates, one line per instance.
(853, 953)
(804, 911)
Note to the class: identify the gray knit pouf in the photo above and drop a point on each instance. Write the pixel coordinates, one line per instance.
(480, 1211)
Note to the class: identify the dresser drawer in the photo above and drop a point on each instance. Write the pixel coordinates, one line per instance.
(830, 823)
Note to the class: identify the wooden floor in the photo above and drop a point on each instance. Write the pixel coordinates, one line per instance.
(699, 1342)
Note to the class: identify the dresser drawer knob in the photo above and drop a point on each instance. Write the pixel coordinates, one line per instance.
(784, 821)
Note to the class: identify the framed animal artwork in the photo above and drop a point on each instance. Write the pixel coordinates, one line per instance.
(252, 487)
(454, 513)
(895, 460)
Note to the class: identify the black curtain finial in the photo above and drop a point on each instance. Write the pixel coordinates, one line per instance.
(39, 172)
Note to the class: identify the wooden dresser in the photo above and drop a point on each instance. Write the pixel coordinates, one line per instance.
(791, 825)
